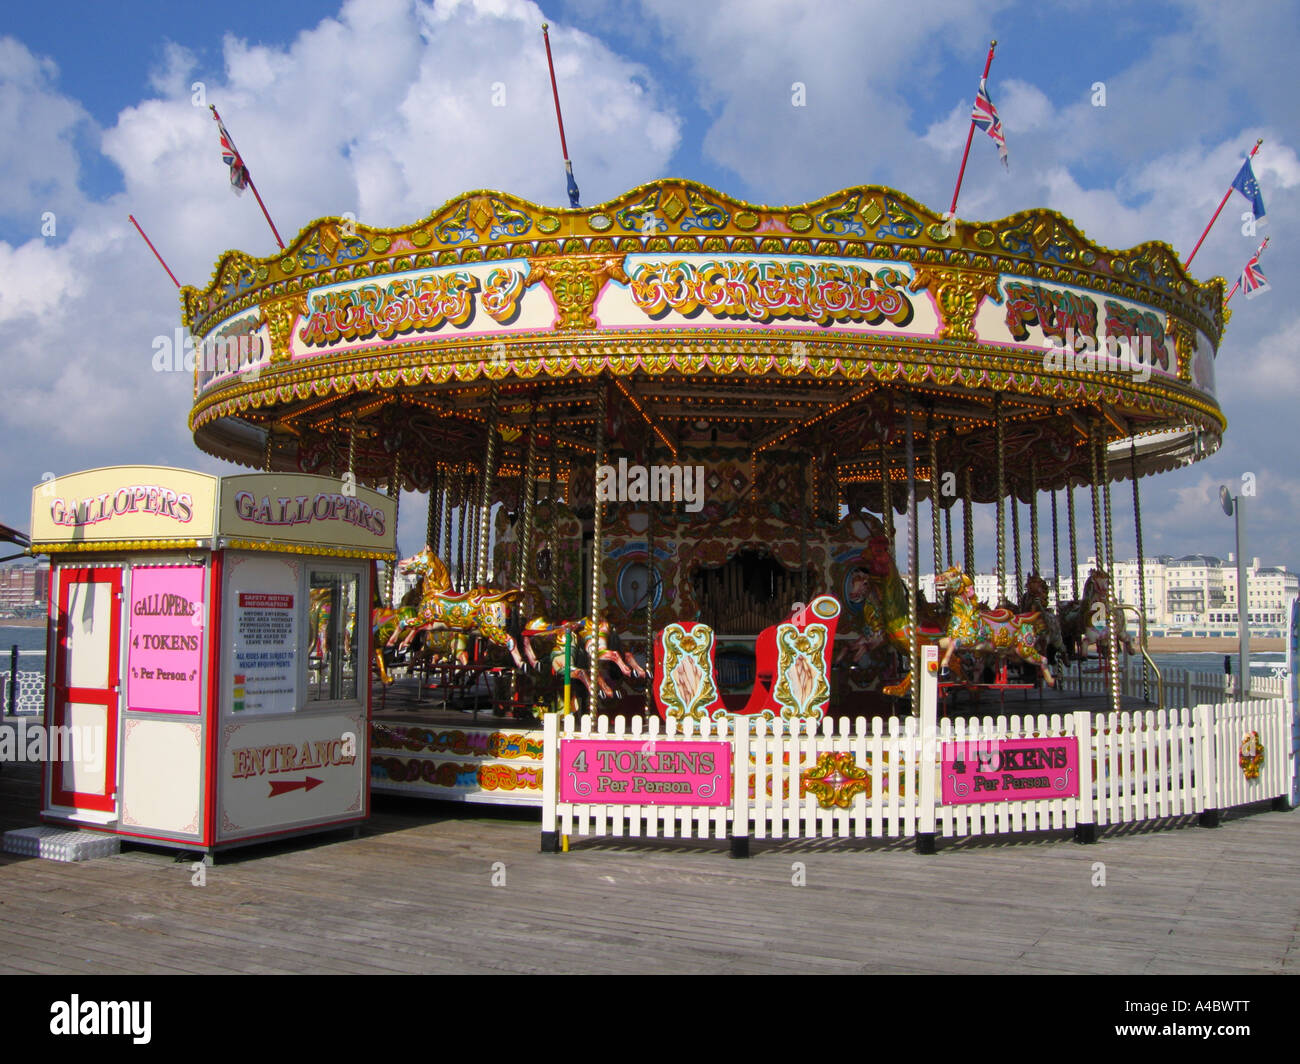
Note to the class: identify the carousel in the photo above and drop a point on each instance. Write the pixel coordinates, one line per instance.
(677, 447)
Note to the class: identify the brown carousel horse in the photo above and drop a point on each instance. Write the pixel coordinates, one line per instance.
(1084, 624)
(983, 631)
(479, 609)
(1037, 599)
(539, 628)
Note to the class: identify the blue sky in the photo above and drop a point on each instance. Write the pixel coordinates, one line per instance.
(383, 108)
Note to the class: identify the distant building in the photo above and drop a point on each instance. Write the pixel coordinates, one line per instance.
(1195, 593)
(23, 590)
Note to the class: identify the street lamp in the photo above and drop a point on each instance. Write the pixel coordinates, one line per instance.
(1232, 507)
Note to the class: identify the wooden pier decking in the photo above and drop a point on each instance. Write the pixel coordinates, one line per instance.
(415, 894)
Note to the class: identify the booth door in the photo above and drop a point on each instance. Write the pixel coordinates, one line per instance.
(87, 680)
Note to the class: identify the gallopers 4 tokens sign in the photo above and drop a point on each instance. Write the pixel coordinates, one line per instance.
(644, 772)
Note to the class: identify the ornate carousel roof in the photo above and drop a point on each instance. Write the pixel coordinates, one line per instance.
(815, 329)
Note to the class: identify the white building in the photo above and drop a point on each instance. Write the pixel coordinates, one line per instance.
(1195, 593)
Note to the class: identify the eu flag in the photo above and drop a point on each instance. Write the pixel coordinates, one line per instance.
(1246, 184)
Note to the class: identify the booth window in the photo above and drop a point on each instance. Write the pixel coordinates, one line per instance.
(333, 641)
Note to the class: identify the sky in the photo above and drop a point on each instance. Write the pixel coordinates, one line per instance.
(388, 108)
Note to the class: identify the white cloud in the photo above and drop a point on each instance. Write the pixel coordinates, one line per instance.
(385, 110)
(40, 168)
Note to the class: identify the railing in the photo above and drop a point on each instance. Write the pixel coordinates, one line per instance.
(30, 694)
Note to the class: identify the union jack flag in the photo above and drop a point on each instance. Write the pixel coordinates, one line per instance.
(985, 115)
(230, 156)
(1253, 281)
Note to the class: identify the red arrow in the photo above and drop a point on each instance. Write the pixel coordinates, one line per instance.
(280, 786)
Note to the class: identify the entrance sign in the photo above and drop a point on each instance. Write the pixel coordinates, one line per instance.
(1005, 770)
(641, 772)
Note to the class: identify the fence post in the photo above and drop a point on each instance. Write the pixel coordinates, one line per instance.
(929, 703)
(13, 680)
(739, 836)
(1209, 766)
(1085, 820)
(550, 781)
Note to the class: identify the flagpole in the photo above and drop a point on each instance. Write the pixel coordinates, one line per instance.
(970, 134)
(248, 173)
(1216, 213)
(159, 257)
(572, 185)
(1238, 284)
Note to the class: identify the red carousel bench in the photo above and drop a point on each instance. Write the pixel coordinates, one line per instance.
(791, 678)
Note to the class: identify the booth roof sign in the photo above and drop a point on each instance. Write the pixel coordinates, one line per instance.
(137, 505)
(297, 509)
(158, 507)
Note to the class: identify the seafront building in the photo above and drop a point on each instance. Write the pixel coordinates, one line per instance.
(23, 590)
(1195, 594)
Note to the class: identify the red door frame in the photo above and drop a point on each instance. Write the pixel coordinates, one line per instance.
(108, 696)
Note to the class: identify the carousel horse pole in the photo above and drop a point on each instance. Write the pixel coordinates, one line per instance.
(1142, 582)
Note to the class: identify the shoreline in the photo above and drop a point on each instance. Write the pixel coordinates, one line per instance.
(1211, 645)
(22, 622)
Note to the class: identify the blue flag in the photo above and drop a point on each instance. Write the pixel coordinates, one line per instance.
(573, 185)
(1246, 184)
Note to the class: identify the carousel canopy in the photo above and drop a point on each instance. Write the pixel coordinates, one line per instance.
(816, 328)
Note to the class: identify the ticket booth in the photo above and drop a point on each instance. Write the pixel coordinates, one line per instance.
(208, 652)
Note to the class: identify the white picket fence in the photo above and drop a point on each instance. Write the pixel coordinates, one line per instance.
(1134, 766)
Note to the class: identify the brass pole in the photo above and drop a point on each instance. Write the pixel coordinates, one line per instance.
(394, 493)
(935, 529)
(1142, 579)
(484, 548)
(914, 655)
(999, 445)
(524, 575)
(597, 537)
(1033, 516)
(967, 525)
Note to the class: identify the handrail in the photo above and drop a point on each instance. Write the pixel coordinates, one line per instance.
(1120, 608)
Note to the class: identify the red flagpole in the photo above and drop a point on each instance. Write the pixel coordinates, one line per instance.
(265, 213)
(1238, 284)
(154, 250)
(571, 184)
(970, 133)
(1216, 213)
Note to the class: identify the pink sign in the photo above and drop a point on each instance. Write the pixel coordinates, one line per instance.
(165, 641)
(643, 772)
(1008, 770)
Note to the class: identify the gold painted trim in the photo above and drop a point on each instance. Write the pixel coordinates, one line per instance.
(116, 545)
(307, 548)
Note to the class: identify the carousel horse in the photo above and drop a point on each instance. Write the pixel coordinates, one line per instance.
(607, 651)
(883, 594)
(1083, 621)
(479, 609)
(1036, 600)
(983, 631)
